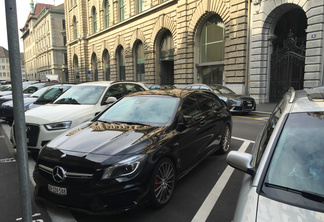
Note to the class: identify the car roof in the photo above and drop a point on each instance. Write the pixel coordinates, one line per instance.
(180, 93)
(107, 83)
(307, 100)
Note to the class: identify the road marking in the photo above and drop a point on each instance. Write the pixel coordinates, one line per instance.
(34, 215)
(7, 160)
(214, 194)
(260, 117)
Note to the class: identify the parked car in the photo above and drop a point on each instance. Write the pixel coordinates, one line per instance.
(235, 102)
(50, 95)
(162, 87)
(6, 107)
(284, 176)
(134, 152)
(80, 103)
(5, 90)
(42, 96)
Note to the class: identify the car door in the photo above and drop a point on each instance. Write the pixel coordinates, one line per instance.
(215, 118)
(189, 139)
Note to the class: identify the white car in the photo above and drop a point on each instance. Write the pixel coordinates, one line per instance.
(79, 104)
(284, 175)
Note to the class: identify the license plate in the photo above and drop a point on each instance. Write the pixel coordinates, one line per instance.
(62, 191)
(249, 104)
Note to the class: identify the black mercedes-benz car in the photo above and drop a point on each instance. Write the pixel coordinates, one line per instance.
(133, 152)
(235, 102)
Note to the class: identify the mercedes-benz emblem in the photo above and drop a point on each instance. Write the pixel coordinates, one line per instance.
(59, 174)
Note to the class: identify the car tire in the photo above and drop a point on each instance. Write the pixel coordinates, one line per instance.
(225, 142)
(162, 183)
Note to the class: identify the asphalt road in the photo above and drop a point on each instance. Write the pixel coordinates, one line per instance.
(208, 193)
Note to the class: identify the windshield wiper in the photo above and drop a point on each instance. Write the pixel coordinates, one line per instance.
(130, 123)
(307, 194)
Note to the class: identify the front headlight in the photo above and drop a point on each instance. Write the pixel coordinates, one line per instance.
(58, 125)
(123, 168)
(235, 101)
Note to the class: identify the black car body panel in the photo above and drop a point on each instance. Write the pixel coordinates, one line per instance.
(83, 154)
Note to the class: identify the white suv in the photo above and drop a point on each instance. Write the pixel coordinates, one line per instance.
(80, 103)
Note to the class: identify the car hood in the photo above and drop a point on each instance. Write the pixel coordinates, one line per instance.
(270, 210)
(51, 113)
(27, 101)
(106, 139)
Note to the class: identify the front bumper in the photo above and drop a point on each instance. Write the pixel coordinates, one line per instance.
(91, 196)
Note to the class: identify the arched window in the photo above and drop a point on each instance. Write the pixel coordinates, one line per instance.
(75, 28)
(106, 13)
(212, 45)
(167, 48)
(106, 62)
(94, 17)
(121, 63)
(121, 10)
(76, 69)
(94, 66)
(139, 62)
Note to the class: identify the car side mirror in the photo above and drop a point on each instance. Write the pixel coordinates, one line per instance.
(241, 161)
(110, 100)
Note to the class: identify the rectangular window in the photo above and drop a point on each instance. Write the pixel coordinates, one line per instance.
(3, 60)
(140, 5)
(3, 67)
(121, 10)
(63, 24)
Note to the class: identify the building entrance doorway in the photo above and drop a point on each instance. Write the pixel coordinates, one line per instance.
(288, 57)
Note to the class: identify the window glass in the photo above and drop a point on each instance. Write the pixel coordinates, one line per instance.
(133, 88)
(121, 64)
(212, 40)
(94, 17)
(121, 10)
(139, 57)
(167, 47)
(191, 107)
(84, 95)
(107, 13)
(267, 130)
(298, 159)
(148, 110)
(75, 27)
(115, 90)
(106, 60)
(208, 103)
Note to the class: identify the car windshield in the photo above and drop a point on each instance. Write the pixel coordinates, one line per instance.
(84, 95)
(221, 90)
(39, 92)
(298, 160)
(146, 110)
(5, 88)
(51, 94)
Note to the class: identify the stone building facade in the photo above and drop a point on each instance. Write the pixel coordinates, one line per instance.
(5, 65)
(44, 43)
(158, 41)
(286, 47)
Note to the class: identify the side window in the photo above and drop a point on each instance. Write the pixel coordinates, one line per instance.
(267, 130)
(191, 107)
(115, 90)
(133, 88)
(208, 102)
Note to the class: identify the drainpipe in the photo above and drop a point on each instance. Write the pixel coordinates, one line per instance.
(248, 50)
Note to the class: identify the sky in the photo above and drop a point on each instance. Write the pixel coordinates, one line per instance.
(23, 9)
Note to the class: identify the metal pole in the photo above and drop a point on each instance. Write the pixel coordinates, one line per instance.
(18, 104)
